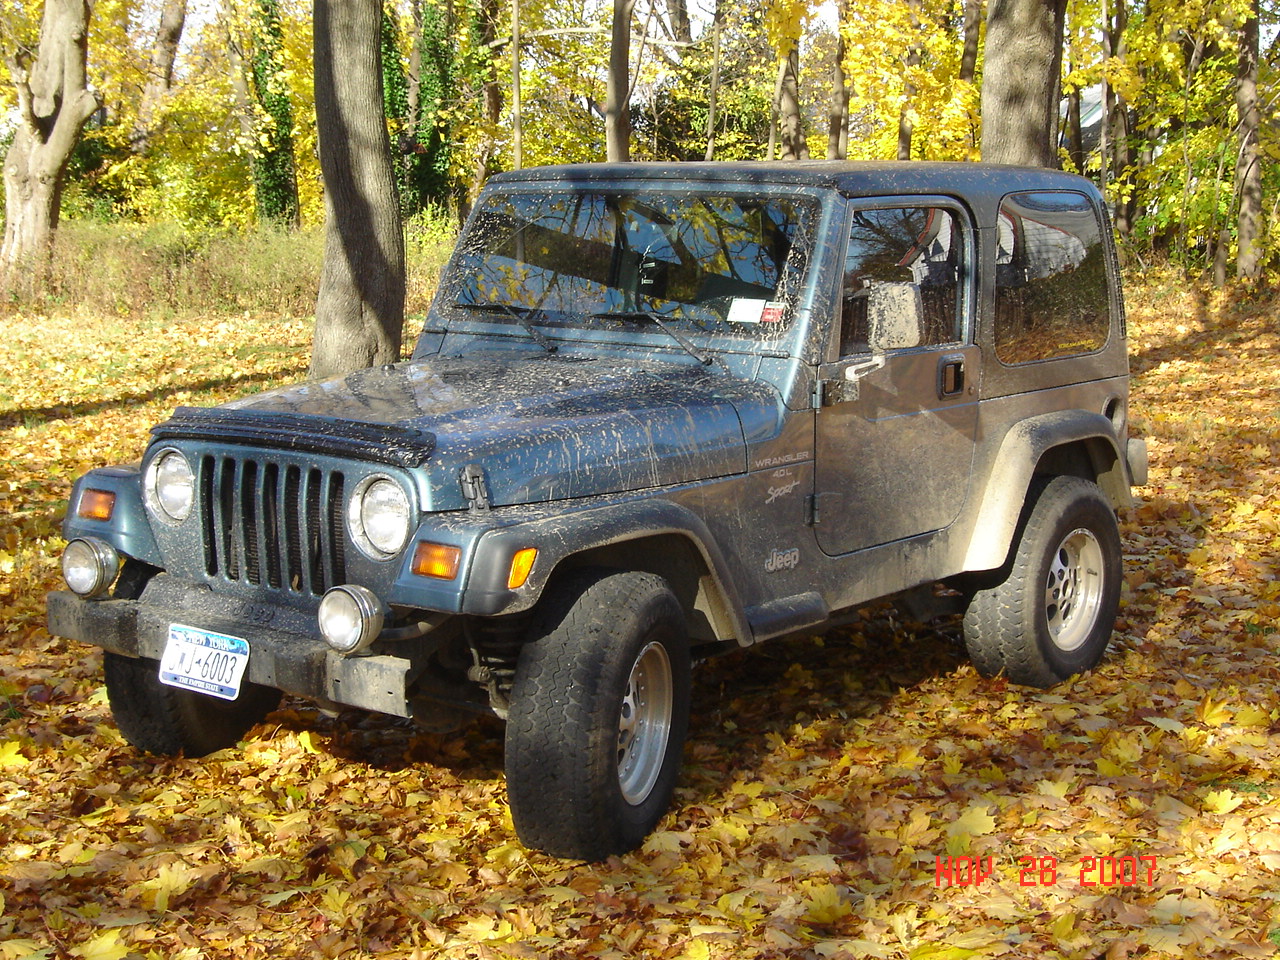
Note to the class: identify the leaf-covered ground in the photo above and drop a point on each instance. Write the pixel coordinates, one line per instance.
(1134, 812)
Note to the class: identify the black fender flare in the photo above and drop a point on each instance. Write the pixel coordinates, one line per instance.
(566, 535)
(1021, 451)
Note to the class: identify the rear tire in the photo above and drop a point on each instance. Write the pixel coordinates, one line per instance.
(599, 712)
(1053, 612)
(164, 720)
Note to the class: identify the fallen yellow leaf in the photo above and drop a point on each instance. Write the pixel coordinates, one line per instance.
(105, 946)
(974, 822)
(1212, 713)
(824, 905)
(10, 756)
(1221, 801)
(1252, 716)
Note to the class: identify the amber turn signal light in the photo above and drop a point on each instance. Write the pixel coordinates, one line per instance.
(521, 564)
(437, 560)
(96, 505)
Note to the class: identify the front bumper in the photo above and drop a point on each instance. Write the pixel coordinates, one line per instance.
(285, 651)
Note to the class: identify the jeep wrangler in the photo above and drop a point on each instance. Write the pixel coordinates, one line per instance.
(655, 412)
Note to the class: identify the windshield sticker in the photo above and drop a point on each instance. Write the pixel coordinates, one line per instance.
(746, 310)
(772, 312)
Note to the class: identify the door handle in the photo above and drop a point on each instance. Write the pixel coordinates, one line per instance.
(950, 376)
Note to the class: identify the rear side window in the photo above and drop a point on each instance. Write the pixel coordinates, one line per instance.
(1051, 278)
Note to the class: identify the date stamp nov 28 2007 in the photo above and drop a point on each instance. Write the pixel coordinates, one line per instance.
(1129, 871)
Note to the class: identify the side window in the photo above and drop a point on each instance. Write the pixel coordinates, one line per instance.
(902, 280)
(1051, 278)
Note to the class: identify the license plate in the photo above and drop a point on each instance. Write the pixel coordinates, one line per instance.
(211, 663)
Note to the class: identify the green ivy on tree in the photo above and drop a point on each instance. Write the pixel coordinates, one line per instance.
(274, 178)
(431, 170)
(419, 136)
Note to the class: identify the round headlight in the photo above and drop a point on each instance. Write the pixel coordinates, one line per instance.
(171, 486)
(89, 566)
(350, 618)
(378, 517)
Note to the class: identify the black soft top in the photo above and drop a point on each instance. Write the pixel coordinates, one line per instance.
(980, 184)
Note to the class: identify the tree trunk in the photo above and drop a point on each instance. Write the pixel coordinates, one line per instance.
(1126, 208)
(1075, 133)
(1123, 121)
(790, 123)
(906, 126)
(972, 29)
(775, 107)
(906, 115)
(617, 115)
(491, 93)
(838, 117)
(1248, 160)
(681, 28)
(1221, 254)
(360, 307)
(239, 74)
(173, 15)
(413, 80)
(431, 77)
(1020, 81)
(972, 32)
(54, 102)
(517, 119)
(1104, 127)
(717, 27)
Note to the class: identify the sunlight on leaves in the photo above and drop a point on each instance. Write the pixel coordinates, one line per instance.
(823, 780)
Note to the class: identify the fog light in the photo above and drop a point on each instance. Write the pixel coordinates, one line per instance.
(350, 618)
(89, 566)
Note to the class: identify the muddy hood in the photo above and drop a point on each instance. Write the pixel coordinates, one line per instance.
(543, 429)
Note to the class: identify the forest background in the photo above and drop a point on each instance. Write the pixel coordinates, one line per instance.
(207, 125)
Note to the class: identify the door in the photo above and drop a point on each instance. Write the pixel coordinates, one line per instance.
(896, 419)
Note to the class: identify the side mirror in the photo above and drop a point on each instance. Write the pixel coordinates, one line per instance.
(895, 314)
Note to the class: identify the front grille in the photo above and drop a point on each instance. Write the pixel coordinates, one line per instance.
(273, 525)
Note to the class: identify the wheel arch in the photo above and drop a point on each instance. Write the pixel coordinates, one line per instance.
(676, 558)
(1065, 443)
(654, 536)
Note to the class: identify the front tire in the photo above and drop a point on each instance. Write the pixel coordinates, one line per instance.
(164, 720)
(599, 712)
(1052, 613)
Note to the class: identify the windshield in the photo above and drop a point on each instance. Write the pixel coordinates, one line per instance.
(730, 264)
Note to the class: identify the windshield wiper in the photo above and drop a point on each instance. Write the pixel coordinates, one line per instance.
(519, 314)
(702, 356)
